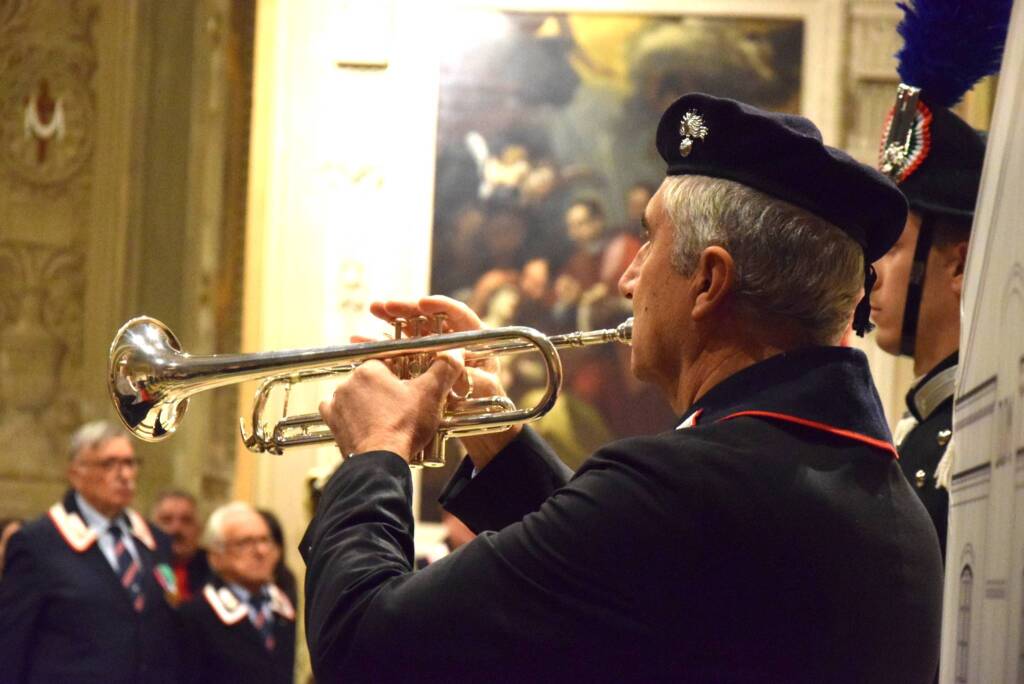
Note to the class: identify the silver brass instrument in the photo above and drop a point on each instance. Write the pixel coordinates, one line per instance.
(151, 379)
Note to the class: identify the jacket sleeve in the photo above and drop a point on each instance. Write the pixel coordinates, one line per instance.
(558, 577)
(516, 482)
(21, 600)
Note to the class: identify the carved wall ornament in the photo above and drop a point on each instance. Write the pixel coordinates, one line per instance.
(40, 324)
(46, 116)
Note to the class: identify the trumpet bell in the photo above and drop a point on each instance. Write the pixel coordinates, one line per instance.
(143, 352)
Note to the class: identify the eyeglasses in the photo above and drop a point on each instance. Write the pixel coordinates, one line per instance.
(107, 465)
(248, 543)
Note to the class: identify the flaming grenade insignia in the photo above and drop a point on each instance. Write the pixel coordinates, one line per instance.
(691, 127)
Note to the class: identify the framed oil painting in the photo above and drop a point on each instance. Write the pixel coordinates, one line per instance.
(545, 161)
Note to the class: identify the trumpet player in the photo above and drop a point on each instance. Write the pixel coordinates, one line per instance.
(767, 536)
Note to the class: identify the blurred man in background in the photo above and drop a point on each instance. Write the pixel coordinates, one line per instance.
(87, 595)
(242, 627)
(175, 513)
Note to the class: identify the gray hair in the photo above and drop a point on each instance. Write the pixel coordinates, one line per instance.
(93, 434)
(213, 535)
(790, 264)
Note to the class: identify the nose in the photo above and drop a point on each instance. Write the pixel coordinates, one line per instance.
(628, 280)
(879, 267)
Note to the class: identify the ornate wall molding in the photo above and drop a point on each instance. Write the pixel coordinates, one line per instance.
(47, 120)
(47, 133)
(40, 327)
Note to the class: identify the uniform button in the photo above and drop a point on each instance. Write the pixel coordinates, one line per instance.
(919, 478)
(943, 437)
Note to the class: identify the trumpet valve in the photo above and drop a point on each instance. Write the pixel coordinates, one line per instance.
(433, 455)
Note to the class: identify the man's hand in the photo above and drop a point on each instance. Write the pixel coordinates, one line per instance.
(484, 374)
(372, 410)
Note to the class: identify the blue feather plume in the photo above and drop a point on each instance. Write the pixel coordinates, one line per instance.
(949, 45)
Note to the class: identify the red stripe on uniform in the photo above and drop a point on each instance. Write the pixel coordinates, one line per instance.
(871, 441)
(130, 573)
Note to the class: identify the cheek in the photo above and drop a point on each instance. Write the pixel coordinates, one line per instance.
(938, 286)
(895, 275)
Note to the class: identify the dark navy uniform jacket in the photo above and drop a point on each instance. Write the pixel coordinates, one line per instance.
(930, 403)
(222, 645)
(770, 538)
(65, 617)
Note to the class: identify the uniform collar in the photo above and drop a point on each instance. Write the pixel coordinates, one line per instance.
(823, 388)
(80, 524)
(228, 601)
(933, 389)
(244, 594)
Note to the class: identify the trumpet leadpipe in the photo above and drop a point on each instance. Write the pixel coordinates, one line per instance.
(622, 334)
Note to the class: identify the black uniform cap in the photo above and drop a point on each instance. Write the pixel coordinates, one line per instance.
(942, 173)
(783, 156)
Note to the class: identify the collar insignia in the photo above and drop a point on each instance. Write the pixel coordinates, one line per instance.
(140, 530)
(691, 128)
(690, 421)
(225, 604)
(925, 397)
(900, 159)
(231, 610)
(79, 537)
(72, 528)
(280, 604)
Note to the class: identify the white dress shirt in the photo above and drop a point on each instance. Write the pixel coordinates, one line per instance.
(95, 520)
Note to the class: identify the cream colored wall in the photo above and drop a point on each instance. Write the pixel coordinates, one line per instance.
(339, 210)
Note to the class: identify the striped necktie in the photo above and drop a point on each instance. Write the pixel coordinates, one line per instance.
(262, 620)
(128, 570)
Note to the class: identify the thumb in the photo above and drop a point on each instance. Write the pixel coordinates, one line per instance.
(446, 368)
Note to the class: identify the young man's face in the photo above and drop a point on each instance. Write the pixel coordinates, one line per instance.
(889, 296)
(938, 312)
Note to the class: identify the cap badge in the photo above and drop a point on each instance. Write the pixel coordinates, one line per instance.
(691, 127)
(899, 158)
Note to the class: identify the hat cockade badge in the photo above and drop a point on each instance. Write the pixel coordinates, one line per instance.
(691, 127)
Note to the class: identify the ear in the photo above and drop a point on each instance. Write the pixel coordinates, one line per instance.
(958, 255)
(215, 559)
(72, 473)
(712, 281)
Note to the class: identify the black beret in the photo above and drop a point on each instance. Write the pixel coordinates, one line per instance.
(782, 155)
(942, 170)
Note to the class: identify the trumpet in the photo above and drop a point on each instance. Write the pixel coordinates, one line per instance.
(151, 379)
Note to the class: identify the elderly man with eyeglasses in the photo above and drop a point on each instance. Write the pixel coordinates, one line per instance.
(87, 595)
(241, 627)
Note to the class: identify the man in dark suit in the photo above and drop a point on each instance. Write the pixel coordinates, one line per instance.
(176, 514)
(769, 537)
(917, 296)
(241, 628)
(936, 158)
(87, 593)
